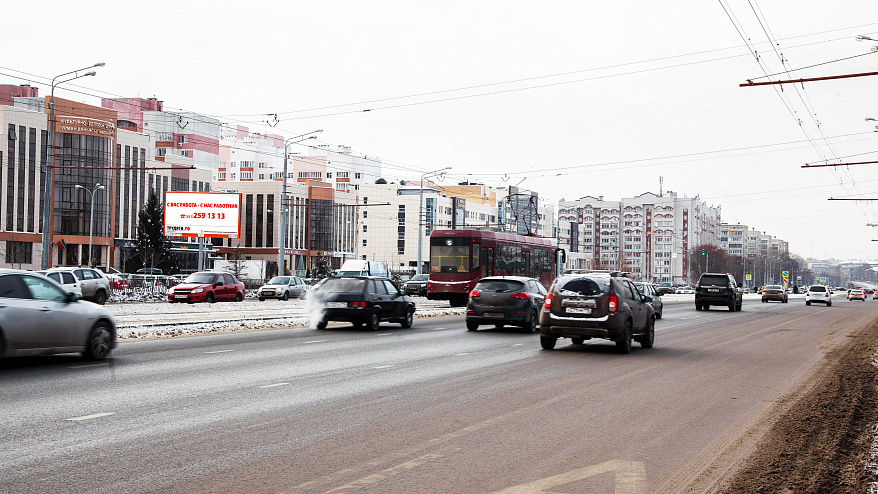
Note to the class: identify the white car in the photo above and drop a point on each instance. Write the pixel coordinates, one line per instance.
(684, 290)
(818, 294)
(282, 288)
(857, 295)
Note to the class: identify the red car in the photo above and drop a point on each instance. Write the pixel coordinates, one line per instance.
(207, 287)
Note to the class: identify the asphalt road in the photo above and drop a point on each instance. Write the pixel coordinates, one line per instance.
(429, 409)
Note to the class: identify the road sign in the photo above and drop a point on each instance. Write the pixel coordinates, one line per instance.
(823, 279)
(748, 277)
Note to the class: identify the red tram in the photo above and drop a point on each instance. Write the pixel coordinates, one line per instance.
(459, 258)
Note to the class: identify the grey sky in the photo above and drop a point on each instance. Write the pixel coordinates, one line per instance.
(648, 89)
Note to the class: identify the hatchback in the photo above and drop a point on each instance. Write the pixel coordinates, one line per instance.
(282, 287)
(207, 286)
(361, 300)
(607, 305)
(774, 292)
(502, 300)
(38, 317)
(818, 294)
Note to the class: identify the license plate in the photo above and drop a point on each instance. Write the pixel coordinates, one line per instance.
(181, 296)
(336, 304)
(494, 315)
(713, 289)
(578, 310)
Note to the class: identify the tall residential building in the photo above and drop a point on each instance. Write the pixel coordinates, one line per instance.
(249, 156)
(648, 235)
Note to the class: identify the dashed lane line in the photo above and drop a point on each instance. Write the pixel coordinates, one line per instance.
(273, 385)
(89, 417)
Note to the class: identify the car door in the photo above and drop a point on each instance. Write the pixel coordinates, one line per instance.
(639, 311)
(396, 298)
(379, 296)
(86, 281)
(18, 317)
(538, 292)
(299, 288)
(54, 321)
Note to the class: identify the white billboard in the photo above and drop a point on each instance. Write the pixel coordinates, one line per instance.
(207, 214)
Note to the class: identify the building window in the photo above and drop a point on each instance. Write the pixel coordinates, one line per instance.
(357, 175)
(328, 174)
(365, 214)
(364, 242)
(342, 175)
(183, 139)
(365, 228)
(19, 252)
(221, 175)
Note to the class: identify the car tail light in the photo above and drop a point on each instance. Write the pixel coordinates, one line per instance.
(357, 305)
(612, 303)
(827, 294)
(548, 304)
(474, 293)
(520, 295)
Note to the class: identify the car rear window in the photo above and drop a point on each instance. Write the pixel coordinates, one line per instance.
(714, 280)
(344, 285)
(500, 286)
(584, 286)
(818, 288)
(773, 287)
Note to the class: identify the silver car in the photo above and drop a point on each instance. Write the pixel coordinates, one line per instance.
(282, 287)
(92, 283)
(38, 317)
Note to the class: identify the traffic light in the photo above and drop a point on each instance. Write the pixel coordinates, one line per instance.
(703, 252)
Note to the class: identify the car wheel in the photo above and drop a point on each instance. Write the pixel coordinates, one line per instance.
(763, 301)
(658, 315)
(322, 324)
(286, 296)
(262, 299)
(740, 304)
(499, 325)
(648, 339)
(471, 326)
(209, 298)
(99, 341)
(548, 342)
(623, 344)
(533, 325)
(373, 321)
(409, 318)
(357, 324)
(239, 298)
(732, 306)
(100, 297)
(698, 307)
(577, 341)
(829, 304)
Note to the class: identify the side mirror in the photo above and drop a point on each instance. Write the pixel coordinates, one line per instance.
(72, 297)
(647, 299)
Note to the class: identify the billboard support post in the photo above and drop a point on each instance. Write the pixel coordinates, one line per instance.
(201, 251)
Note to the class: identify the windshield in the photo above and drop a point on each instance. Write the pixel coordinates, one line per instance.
(585, 286)
(343, 285)
(279, 280)
(200, 278)
(420, 277)
(449, 255)
(714, 280)
(500, 286)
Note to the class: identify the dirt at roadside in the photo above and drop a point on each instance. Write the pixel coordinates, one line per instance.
(822, 443)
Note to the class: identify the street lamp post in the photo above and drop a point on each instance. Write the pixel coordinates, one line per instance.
(91, 220)
(47, 195)
(284, 210)
(440, 172)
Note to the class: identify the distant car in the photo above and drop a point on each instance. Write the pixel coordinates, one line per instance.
(364, 300)
(149, 271)
(581, 306)
(875, 295)
(92, 283)
(651, 291)
(665, 287)
(502, 300)
(857, 295)
(718, 289)
(818, 294)
(684, 290)
(282, 287)
(417, 285)
(774, 292)
(207, 286)
(39, 317)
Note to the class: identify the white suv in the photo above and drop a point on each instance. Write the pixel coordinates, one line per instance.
(818, 294)
(90, 283)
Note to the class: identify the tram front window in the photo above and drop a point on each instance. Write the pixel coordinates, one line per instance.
(450, 255)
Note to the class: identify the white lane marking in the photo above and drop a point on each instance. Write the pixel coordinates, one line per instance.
(518, 344)
(273, 385)
(383, 366)
(219, 351)
(384, 334)
(385, 474)
(437, 329)
(89, 417)
(88, 365)
(312, 341)
(630, 478)
(464, 353)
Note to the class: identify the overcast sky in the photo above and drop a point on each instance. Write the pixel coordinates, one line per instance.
(564, 98)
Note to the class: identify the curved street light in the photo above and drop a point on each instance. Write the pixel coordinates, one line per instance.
(284, 210)
(47, 195)
(421, 222)
(91, 221)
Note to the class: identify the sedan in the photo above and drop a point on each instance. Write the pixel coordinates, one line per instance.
(207, 286)
(502, 300)
(774, 292)
(361, 300)
(684, 290)
(651, 291)
(857, 295)
(38, 317)
(282, 287)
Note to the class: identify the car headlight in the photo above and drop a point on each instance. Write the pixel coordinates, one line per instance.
(170, 291)
(279, 290)
(198, 290)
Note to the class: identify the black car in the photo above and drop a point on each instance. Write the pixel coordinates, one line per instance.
(502, 300)
(361, 300)
(718, 289)
(586, 305)
(417, 285)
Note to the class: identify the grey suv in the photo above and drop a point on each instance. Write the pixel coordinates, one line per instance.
(718, 289)
(586, 305)
(94, 284)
